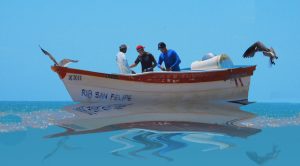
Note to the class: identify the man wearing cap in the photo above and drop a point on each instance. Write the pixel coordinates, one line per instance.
(122, 61)
(169, 57)
(147, 59)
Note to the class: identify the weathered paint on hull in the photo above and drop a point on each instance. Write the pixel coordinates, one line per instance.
(98, 87)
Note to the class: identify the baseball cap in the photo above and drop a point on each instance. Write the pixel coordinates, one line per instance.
(161, 45)
(139, 47)
(122, 46)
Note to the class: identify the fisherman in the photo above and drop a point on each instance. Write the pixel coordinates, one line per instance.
(169, 57)
(147, 59)
(122, 61)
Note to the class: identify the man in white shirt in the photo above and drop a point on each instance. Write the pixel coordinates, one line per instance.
(122, 61)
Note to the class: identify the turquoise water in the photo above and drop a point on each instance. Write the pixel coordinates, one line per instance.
(25, 125)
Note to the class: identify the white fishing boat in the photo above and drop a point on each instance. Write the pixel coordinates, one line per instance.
(209, 93)
(207, 82)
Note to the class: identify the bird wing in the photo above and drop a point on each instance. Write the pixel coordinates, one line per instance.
(250, 51)
(75, 61)
(65, 62)
(49, 55)
(261, 46)
(255, 47)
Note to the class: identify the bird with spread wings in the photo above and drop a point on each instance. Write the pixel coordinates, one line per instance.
(260, 47)
(62, 63)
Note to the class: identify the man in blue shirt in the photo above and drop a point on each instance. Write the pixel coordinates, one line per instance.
(169, 57)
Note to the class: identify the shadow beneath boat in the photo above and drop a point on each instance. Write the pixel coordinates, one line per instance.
(184, 117)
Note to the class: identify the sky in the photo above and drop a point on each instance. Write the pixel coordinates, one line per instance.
(91, 31)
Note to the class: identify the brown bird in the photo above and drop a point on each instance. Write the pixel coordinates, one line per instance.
(62, 63)
(260, 47)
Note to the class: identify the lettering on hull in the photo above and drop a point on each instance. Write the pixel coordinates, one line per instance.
(75, 77)
(106, 96)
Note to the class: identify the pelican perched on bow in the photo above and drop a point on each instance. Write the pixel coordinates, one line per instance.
(260, 47)
(62, 63)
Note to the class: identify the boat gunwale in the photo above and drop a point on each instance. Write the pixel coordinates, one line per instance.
(192, 76)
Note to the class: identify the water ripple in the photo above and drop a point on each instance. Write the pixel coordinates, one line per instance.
(169, 145)
(124, 140)
(139, 142)
(271, 122)
(207, 138)
(10, 122)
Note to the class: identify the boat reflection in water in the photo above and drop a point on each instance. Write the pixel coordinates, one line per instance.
(158, 129)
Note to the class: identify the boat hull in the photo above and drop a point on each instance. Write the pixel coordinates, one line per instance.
(213, 86)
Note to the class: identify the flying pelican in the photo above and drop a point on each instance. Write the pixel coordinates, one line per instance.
(260, 47)
(62, 63)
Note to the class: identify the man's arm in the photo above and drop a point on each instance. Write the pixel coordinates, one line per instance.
(160, 60)
(133, 65)
(136, 62)
(177, 59)
(154, 63)
(125, 63)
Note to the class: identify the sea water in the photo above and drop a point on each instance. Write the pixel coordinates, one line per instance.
(24, 127)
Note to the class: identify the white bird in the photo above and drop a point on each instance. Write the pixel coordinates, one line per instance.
(66, 62)
(260, 47)
(62, 63)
